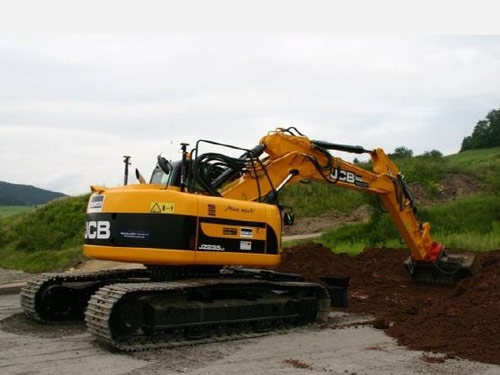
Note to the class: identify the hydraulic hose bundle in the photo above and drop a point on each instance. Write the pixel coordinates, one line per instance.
(211, 170)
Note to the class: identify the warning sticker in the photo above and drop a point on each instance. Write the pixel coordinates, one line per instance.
(95, 204)
(229, 231)
(246, 245)
(162, 208)
(246, 232)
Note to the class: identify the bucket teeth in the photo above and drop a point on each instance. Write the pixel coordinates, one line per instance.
(447, 270)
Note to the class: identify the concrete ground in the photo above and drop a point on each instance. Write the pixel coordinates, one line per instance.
(30, 348)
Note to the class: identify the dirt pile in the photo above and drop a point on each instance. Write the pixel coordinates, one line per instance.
(462, 321)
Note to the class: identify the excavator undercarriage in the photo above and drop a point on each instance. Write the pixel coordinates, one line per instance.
(142, 316)
(63, 297)
(126, 310)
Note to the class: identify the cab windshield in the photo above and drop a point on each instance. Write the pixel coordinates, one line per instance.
(172, 178)
(159, 177)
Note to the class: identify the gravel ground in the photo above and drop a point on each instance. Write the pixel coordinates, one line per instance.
(341, 348)
(12, 276)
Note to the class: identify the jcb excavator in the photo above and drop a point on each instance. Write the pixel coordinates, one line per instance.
(194, 222)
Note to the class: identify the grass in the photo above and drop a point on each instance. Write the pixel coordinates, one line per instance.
(40, 261)
(49, 238)
(290, 243)
(483, 164)
(425, 171)
(468, 241)
(315, 198)
(351, 247)
(468, 223)
(471, 241)
(472, 223)
(6, 211)
(476, 213)
(473, 161)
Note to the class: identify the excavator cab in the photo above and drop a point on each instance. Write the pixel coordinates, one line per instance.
(169, 173)
(166, 173)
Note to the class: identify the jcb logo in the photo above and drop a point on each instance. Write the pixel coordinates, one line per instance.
(341, 175)
(97, 230)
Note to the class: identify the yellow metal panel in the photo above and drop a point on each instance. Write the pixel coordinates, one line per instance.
(179, 257)
(239, 259)
(143, 198)
(141, 255)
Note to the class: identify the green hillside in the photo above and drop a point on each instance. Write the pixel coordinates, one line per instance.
(469, 222)
(14, 210)
(48, 238)
(25, 195)
(427, 172)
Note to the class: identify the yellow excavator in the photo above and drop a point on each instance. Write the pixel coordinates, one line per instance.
(195, 227)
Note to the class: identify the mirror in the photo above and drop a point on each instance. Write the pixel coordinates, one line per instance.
(164, 164)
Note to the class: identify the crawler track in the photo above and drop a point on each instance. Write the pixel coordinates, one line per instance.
(62, 297)
(198, 311)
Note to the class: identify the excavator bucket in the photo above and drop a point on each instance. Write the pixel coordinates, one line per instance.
(448, 269)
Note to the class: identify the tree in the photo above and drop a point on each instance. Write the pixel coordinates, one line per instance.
(494, 119)
(401, 152)
(432, 154)
(466, 143)
(486, 133)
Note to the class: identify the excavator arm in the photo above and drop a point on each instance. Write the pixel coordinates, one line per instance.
(292, 157)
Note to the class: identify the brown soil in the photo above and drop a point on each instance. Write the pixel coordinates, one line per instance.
(459, 321)
(298, 364)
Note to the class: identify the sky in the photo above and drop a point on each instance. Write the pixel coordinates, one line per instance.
(71, 106)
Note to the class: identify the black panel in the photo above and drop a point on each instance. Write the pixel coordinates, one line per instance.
(170, 231)
(163, 231)
(272, 241)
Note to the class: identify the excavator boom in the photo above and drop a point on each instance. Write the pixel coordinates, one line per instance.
(292, 157)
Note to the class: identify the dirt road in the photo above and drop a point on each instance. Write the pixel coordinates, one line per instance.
(29, 348)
